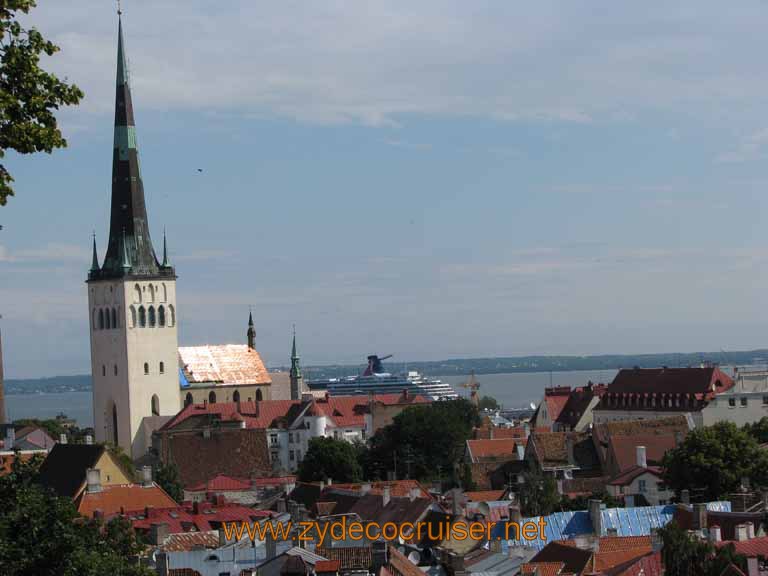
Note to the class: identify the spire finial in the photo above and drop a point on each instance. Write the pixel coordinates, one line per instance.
(251, 330)
(95, 259)
(119, 9)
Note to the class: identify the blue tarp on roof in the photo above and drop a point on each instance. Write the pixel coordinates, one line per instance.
(183, 379)
(638, 521)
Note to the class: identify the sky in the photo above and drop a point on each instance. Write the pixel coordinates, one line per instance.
(433, 180)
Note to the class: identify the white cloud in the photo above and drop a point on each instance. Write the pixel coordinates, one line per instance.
(753, 147)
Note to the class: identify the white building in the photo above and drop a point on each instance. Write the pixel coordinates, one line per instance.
(131, 302)
(641, 481)
(746, 402)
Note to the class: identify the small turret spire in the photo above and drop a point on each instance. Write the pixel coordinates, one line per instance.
(251, 331)
(95, 259)
(297, 381)
(165, 250)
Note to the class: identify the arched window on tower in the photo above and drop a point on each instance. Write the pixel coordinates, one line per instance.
(142, 317)
(152, 319)
(212, 397)
(236, 396)
(259, 395)
(162, 367)
(161, 315)
(151, 293)
(164, 292)
(101, 318)
(171, 315)
(107, 322)
(155, 405)
(188, 400)
(103, 369)
(95, 319)
(137, 294)
(146, 367)
(133, 316)
(114, 318)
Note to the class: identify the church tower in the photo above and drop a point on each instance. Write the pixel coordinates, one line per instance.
(131, 301)
(297, 380)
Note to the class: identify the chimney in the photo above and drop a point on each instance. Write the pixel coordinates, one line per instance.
(146, 476)
(560, 486)
(642, 462)
(10, 437)
(526, 429)
(270, 545)
(753, 567)
(514, 514)
(490, 431)
(322, 485)
(282, 506)
(715, 535)
(520, 452)
(699, 516)
(685, 497)
(330, 481)
(742, 533)
(595, 515)
(365, 489)
(93, 480)
(750, 530)
(569, 448)
(88, 439)
(158, 532)
(414, 493)
(385, 496)
(62, 438)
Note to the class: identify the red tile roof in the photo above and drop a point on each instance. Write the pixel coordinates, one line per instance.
(327, 566)
(648, 565)
(556, 399)
(502, 448)
(113, 500)
(624, 448)
(749, 548)
(196, 517)
(626, 477)
(485, 495)
(541, 568)
(400, 488)
(187, 541)
(222, 483)
(226, 364)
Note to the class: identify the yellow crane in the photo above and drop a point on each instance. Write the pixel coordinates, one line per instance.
(473, 386)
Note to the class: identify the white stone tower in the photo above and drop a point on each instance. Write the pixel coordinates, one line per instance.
(131, 302)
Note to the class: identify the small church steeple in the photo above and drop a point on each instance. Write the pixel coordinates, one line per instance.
(251, 332)
(297, 380)
(95, 258)
(165, 250)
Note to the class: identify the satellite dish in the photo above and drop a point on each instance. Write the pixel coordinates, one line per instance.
(414, 557)
(533, 406)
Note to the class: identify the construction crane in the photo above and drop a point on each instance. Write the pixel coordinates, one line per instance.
(473, 386)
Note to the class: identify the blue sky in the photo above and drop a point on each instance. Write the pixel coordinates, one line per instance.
(440, 180)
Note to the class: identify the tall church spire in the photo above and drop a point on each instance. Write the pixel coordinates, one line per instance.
(297, 380)
(94, 258)
(251, 332)
(129, 212)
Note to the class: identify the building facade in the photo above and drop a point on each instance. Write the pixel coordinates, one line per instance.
(131, 300)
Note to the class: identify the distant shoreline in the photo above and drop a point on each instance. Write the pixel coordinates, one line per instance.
(454, 367)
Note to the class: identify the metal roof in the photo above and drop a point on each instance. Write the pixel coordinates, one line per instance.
(638, 521)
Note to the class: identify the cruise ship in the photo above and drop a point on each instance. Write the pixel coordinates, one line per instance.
(376, 381)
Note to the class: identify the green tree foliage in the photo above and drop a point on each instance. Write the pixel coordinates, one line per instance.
(29, 96)
(712, 460)
(425, 441)
(331, 458)
(167, 477)
(758, 430)
(488, 403)
(684, 555)
(538, 495)
(582, 502)
(43, 534)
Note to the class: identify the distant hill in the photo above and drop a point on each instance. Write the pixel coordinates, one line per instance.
(460, 366)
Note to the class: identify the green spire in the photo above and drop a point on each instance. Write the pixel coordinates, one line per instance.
(295, 366)
(95, 259)
(165, 251)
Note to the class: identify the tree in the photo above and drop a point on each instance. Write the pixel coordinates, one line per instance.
(42, 534)
(758, 430)
(330, 458)
(712, 461)
(538, 494)
(29, 95)
(424, 440)
(684, 555)
(167, 477)
(488, 403)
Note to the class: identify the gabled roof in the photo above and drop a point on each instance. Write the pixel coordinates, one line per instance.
(574, 559)
(496, 449)
(227, 364)
(629, 475)
(648, 565)
(578, 403)
(542, 568)
(749, 548)
(221, 483)
(112, 500)
(196, 517)
(624, 448)
(484, 495)
(670, 381)
(556, 399)
(726, 520)
(186, 541)
(64, 470)
(552, 449)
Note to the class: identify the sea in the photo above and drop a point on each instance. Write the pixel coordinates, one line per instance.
(513, 390)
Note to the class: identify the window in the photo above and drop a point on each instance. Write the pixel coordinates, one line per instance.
(137, 294)
(133, 316)
(212, 397)
(259, 395)
(146, 367)
(114, 318)
(743, 401)
(274, 456)
(161, 315)
(101, 319)
(641, 486)
(236, 396)
(765, 400)
(114, 424)
(103, 370)
(142, 317)
(273, 438)
(162, 367)
(171, 315)
(152, 317)
(290, 437)
(165, 293)
(188, 399)
(115, 369)
(291, 455)
(732, 402)
(106, 320)
(155, 405)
